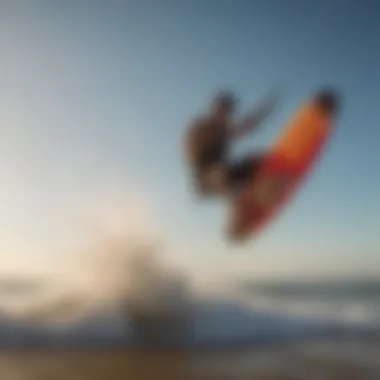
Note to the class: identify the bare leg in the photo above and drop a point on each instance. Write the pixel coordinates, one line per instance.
(242, 175)
(269, 190)
(213, 181)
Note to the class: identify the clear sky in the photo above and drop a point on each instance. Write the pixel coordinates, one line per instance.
(91, 90)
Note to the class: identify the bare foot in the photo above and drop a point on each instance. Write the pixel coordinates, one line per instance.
(238, 228)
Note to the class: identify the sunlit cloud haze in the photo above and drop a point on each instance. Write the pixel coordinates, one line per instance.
(64, 200)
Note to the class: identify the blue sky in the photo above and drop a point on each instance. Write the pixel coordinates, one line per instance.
(111, 86)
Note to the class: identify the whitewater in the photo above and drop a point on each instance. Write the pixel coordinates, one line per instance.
(140, 301)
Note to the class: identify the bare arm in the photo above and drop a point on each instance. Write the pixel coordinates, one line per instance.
(255, 118)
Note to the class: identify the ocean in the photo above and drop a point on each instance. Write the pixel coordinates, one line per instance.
(253, 313)
(355, 301)
(261, 330)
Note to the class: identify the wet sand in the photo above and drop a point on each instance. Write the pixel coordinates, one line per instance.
(323, 360)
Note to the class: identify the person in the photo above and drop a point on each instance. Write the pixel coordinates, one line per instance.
(208, 141)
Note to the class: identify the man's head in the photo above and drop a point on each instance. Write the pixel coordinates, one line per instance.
(224, 104)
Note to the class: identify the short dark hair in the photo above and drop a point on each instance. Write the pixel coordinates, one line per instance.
(227, 98)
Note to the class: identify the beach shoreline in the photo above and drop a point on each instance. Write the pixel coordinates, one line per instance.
(320, 359)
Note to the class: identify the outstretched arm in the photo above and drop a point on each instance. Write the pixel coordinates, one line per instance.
(256, 117)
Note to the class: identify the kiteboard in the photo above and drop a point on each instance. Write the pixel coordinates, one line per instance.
(287, 163)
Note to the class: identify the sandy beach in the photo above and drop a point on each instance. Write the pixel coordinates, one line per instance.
(316, 360)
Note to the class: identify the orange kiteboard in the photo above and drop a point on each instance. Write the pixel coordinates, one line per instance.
(287, 163)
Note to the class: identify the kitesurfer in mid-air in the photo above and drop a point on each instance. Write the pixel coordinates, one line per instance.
(208, 141)
(207, 145)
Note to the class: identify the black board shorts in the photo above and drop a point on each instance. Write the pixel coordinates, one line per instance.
(239, 172)
(244, 170)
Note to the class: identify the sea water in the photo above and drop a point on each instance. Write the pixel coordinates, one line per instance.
(345, 300)
(259, 313)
